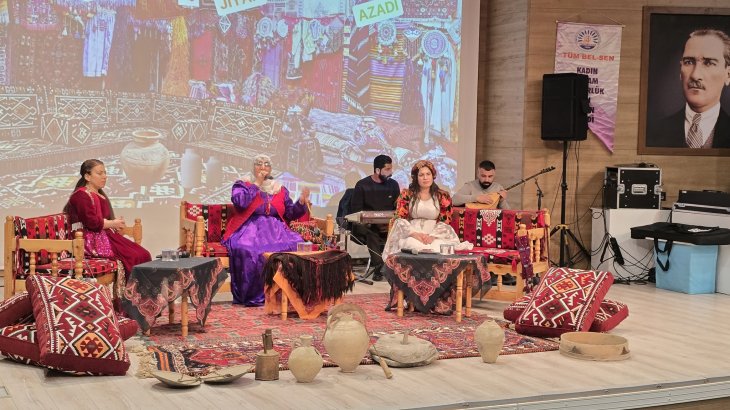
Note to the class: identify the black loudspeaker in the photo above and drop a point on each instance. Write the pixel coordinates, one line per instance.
(565, 107)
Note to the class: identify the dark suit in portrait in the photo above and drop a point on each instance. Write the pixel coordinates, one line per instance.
(669, 133)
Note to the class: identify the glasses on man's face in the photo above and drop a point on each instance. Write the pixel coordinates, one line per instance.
(262, 164)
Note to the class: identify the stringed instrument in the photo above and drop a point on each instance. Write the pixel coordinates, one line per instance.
(494, 196)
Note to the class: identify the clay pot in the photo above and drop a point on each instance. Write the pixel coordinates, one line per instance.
(305, 362)
(489, 337)
(346, 339)
(145, 159)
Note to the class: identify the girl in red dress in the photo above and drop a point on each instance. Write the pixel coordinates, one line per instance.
(89, 209)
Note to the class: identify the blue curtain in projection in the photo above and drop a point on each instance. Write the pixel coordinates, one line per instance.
(176, 101)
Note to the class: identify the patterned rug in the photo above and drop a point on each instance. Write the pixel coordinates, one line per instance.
(232, 336)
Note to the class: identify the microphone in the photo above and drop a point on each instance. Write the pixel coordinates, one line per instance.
(269, 177)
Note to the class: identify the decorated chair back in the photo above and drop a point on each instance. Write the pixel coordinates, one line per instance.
(215, 216)
(55, 226)
(495, 228)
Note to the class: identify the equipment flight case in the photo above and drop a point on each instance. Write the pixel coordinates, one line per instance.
(636, 186)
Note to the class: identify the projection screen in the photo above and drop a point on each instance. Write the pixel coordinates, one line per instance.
(176, 101)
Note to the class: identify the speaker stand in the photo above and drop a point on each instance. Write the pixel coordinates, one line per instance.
(565, 232)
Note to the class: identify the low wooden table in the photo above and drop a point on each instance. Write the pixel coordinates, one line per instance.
(281, 294)
(425, 278)
(153, 285)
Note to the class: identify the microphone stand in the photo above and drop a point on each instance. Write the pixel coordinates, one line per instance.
(539, 195)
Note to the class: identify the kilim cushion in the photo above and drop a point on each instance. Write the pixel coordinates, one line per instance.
(92, 267)
(15, 309)
(513, 311)
(499, 256)
(308, 230)
(78, 331)
(127, 327)
(215, 249)
(608, 317)
(19, 343)
(90, 106)
(566, 300)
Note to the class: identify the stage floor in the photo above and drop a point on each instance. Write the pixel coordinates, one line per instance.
(679, 347)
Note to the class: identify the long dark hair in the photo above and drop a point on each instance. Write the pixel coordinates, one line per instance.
(415, 188)
(86, 168)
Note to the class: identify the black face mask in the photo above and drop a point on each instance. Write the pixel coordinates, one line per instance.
(485, 185)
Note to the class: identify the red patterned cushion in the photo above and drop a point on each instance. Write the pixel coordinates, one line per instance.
(15, 309)
(566, 300)
(20, 344)
(77, 328)
(215, 215)
(308, 230)
(93, 268)
(127, 327)
(513, 311)
(215, 249)
(609, 316)
(499, 256)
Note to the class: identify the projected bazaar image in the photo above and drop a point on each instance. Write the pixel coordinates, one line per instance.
(178, 97)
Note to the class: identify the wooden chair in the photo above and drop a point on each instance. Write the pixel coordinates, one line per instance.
(46, 245)
(540, 264)
(481, 227)
(202, 227)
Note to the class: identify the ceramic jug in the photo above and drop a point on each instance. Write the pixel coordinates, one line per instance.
(191, 169)
(489, 337)
(346, 339)
(305, 361)
(213, 172)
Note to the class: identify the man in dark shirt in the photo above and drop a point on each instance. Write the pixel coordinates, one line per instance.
(376, 192)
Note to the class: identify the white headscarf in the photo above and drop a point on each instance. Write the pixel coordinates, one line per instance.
(270, 186)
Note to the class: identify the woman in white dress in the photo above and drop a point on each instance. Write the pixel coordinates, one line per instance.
(423, 213)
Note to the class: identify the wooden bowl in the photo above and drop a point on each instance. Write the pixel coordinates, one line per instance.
(594, 346)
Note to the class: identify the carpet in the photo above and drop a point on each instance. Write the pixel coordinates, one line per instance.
(232, 336)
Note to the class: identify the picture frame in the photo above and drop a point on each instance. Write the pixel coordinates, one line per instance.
(662, 101)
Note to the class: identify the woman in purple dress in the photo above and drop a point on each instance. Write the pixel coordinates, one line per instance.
(259, 225)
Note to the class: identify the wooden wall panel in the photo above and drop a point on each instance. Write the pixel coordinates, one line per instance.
(517, 48)
(501, 139)
(679, 171)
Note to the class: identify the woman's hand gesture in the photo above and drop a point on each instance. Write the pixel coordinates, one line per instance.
(427, 239)
(304, 197)
(422, 237)
(116, 224)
